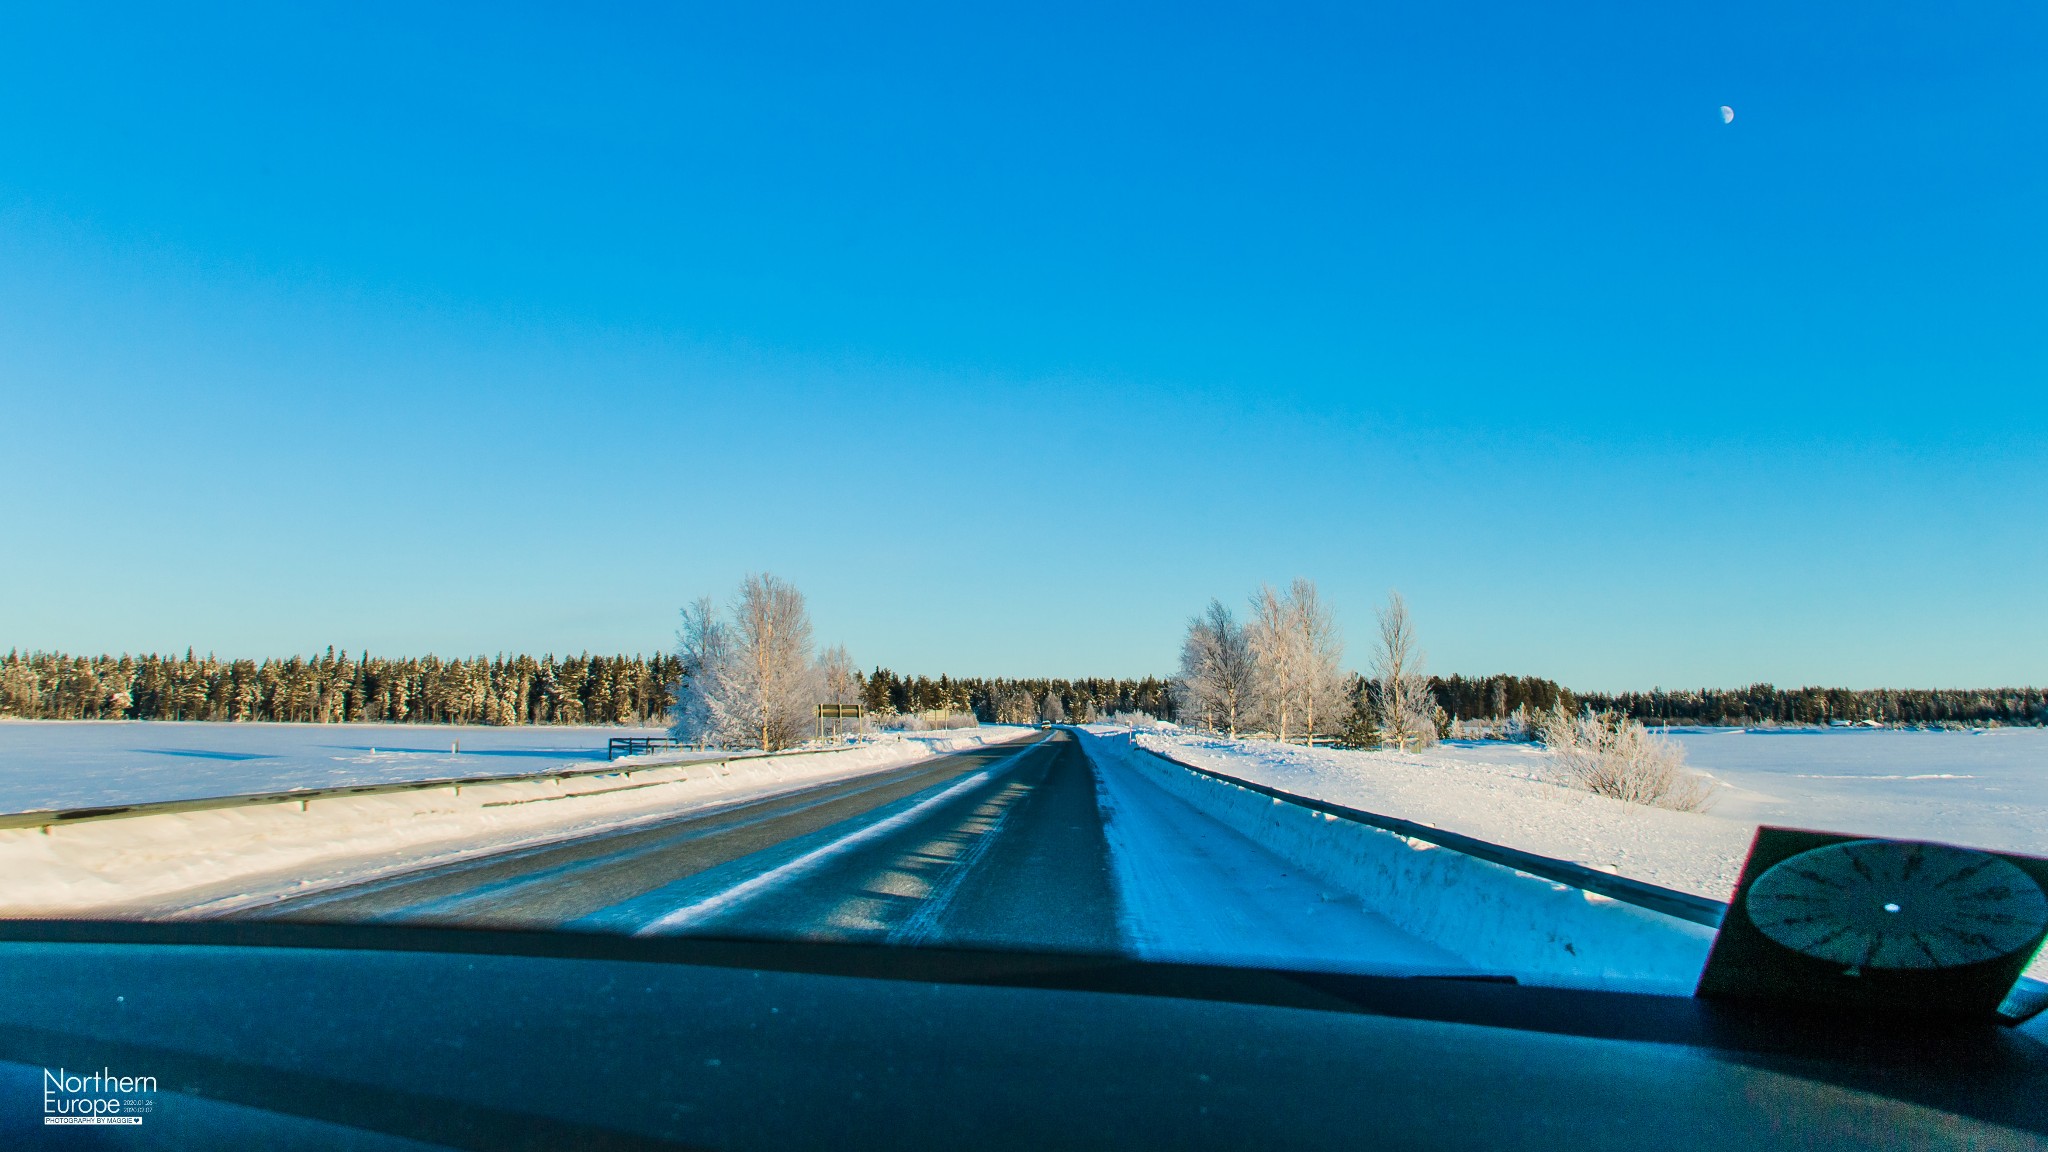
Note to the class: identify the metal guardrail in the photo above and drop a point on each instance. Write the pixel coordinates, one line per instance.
(47, 818)
(53, 817)
(1669, 901)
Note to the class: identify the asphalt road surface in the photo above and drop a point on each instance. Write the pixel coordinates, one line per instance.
(1024, 845)
(1002, 844)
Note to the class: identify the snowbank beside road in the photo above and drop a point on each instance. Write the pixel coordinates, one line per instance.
(1510, 798)
(215, 859)
(1492, 916)
(1986, 791)
(1195, 889)
(1507, 794)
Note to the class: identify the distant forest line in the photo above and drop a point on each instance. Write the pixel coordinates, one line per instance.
(504, 690)
(639, 690)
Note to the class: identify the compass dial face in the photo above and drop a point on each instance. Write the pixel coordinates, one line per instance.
(1888, 904)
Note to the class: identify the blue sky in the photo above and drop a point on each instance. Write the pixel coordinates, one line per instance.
(1011, 335)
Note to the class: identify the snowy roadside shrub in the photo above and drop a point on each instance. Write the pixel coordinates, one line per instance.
(935, 720)
(1553, 729)
(1487, 728)
(1613, 755)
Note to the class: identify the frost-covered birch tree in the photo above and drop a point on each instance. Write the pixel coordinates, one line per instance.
(748, 679)
(1275, 672)
(1295, 650)
(1407, 709)
(774, 683)
(1216, 674)
(702, 648)
(1320, 649)
(838, 677)
(1295, 659)
(838, 681)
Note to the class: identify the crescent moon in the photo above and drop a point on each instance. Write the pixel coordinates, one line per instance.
(1727, 114)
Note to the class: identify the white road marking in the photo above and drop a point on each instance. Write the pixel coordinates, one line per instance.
(753, 886)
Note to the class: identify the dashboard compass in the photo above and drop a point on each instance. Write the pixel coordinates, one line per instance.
(1898, 904)
(1885, 928)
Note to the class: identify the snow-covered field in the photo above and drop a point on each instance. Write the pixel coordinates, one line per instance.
(1985, 789)
(1988, 788)
(223, 858)
(63, 764)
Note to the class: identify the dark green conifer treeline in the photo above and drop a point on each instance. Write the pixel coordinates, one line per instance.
(588, 689)
(335, 687)
(1755, 705)
(1765, 704)
(1491, 697)
(585, 689)
(1004, 700)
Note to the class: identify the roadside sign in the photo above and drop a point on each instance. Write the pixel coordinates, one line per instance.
(837, 712)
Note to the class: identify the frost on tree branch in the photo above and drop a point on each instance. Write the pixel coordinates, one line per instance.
(1295, 653)
(1614, 755)
(1054, 709)
(748, 680)
(1013, 704)
(701, 646)
(1278, 671)
(838, 679)
(1216, 684)
(1407, 708)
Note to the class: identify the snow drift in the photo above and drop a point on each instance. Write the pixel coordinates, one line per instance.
(1492, 916)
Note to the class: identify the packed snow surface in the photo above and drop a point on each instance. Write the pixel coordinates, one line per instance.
(56, 764)
(1191, 888)
(1494, 918)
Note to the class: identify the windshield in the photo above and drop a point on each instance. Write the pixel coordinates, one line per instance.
(1407, 493)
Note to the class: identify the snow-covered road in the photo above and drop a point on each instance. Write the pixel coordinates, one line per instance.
(1033, 846)
(1080, 842)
